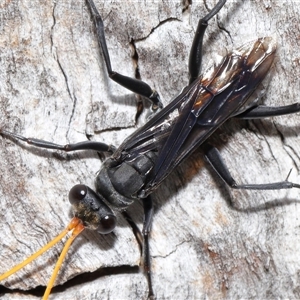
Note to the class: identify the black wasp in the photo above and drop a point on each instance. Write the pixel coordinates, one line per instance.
(140, 164)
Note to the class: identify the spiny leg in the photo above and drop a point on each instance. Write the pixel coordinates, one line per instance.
(148, 216)
(213, 156)
(132, 84)
(195, 58)
(262, 111)
(136, 231)
(86, 145)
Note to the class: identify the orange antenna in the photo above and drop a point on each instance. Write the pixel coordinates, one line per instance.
(91, 210)
(76, 231)
(76, 227)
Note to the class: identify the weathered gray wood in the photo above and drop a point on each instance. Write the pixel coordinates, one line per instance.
(53, 85)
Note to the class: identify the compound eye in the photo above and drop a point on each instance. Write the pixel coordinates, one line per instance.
(77, 193)
(107, 224)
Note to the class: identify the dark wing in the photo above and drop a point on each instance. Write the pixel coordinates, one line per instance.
(200, 109)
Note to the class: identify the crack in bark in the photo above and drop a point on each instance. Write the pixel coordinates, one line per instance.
(77, 280)
(174, 250)
(282, 137)
(263, 136)
(135, 58)
(71, 95)
(53, 25)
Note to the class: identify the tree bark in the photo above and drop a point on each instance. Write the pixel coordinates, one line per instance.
(206, 240)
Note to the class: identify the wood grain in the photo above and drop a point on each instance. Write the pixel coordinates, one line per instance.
(207, 241)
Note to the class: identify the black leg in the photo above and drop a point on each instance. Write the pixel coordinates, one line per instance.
(148, 216)
(261, 111)
(195, 58)
(132, 84)
(143, 239)
(136, 231)
(86, 145)
(214, 158)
